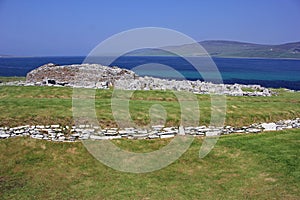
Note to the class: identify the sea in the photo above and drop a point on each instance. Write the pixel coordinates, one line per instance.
(275, 73)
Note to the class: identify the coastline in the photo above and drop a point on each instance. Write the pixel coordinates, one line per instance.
(270, 72)
(190, 56)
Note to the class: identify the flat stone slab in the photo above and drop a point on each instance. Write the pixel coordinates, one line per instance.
(166, 136)
(61, 138)
(167, 133)
(253, 130)
(97, 137)
(269, 126)
(213, 133)
(153, 136)
(4, 136)
(37, 136)
(75, 135)
(238, 131)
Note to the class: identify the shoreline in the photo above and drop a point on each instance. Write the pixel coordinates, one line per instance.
(211, 56)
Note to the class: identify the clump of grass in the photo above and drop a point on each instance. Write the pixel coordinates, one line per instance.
(246, 89)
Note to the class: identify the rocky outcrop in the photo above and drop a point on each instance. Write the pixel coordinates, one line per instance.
(101, 77)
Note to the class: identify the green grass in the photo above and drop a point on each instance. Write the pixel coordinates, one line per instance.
(53, 105)
(244, 89)
(254, 166)
(12, 78)
(264, 166)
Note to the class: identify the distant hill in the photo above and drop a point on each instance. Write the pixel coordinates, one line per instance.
(220, 48)
(4, 56)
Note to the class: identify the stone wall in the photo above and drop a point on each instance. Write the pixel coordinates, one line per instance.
(84, 132)
(199, 87)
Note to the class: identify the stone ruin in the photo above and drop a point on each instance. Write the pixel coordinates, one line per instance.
(78, 75)
(102, 77)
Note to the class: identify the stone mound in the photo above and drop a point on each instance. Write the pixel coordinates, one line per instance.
(78, 75)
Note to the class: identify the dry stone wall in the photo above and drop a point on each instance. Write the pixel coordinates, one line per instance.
(60, 133)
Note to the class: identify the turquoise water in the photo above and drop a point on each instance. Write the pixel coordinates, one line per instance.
(267, 72)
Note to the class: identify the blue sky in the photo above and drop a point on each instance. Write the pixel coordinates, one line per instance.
(73, 27)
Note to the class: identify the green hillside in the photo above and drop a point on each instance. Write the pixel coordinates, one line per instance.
(219, 48)
(240, 49)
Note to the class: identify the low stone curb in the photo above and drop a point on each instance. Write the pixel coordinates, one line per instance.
(58, 133)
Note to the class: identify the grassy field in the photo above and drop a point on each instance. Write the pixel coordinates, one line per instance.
(53, 105)
(264, 166)
(256, 166)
